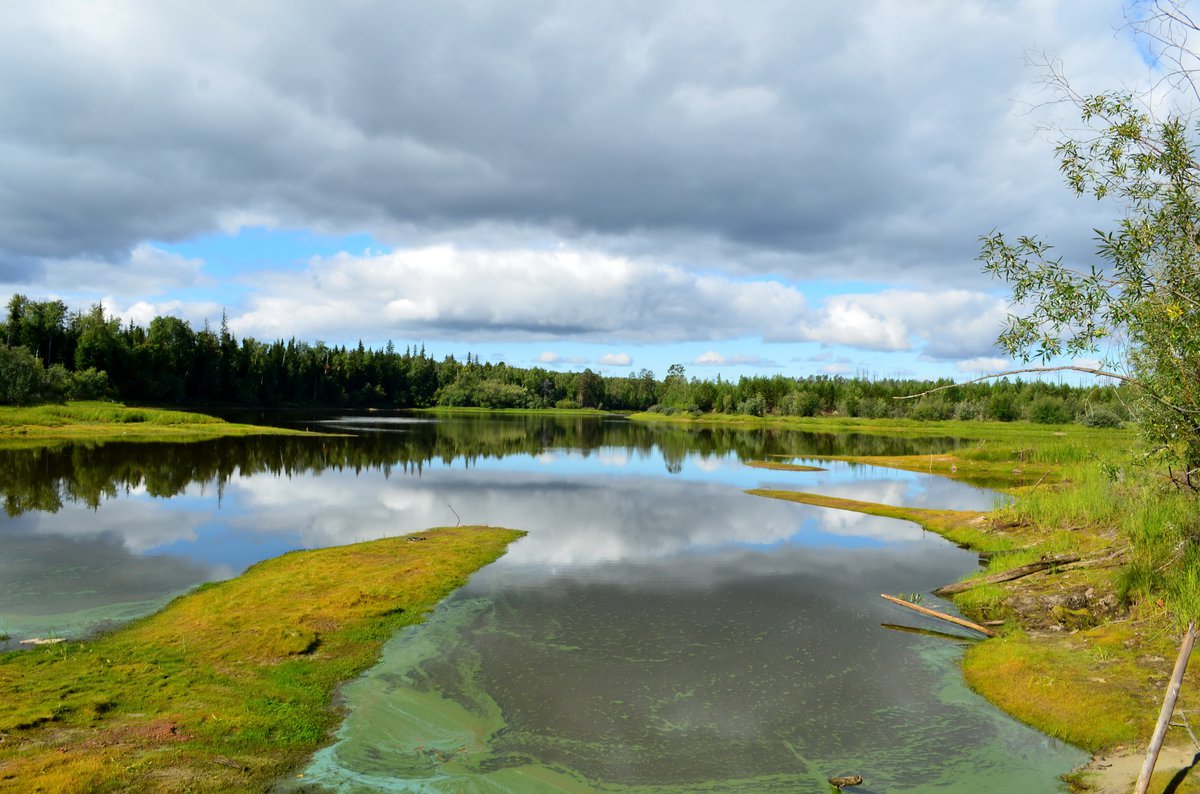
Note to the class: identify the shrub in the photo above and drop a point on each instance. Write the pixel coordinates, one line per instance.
(753, 406)
(91, 384)
(799, 403)
(1102, 416)
(1049, 411)
(1001, 408)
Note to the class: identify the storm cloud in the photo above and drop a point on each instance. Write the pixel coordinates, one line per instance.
(872, 141)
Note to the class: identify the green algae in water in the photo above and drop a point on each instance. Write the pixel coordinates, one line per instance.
(738, 684)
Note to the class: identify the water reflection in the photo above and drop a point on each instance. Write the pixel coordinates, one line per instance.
(657, 628)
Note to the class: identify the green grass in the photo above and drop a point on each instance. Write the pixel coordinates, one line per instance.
(40, 425)
(228, 687)
(1087, 689)
(775, 465)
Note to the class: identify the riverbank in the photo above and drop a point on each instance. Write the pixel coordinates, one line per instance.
(1085, 647)
(231, 686)
(53, 423)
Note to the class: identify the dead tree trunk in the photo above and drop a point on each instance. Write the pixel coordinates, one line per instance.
(1168, 707)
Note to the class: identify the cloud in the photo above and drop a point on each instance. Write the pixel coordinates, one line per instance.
(714, 359)
(454, 293)
(688, 130)
(147, 270)
(554, 359)
(450, 293)
(951, 323)
(983, 365)
(615, 360)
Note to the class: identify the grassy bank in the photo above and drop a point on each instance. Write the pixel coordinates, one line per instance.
(40, 425)
(1086, 648)
(231, 686)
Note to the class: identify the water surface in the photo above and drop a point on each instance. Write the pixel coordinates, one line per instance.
(657, 630)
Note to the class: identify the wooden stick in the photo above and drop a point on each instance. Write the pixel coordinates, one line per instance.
(1168, 707)
(933, 613)
(941, 635)
(1009, 575)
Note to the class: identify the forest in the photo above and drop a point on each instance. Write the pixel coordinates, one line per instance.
(50, 354)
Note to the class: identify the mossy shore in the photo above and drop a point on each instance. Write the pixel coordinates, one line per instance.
(1080, 655)
(231, 686)
(44, 425)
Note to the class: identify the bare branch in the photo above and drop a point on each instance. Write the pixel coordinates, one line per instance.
(1089, 370)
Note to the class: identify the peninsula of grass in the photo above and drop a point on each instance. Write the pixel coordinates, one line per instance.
(54, 423)
(442, 410)
(231, 686)
(776, 465)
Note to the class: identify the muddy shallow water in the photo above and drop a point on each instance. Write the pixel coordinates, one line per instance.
(657, 630)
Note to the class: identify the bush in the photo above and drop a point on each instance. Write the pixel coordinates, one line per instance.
(931, 409)
(799, 403)
(569, 403)
(23, 379)
(969, 409)
(1002, 408)
(1049, 411)
(1101, 417)
(91, 384)
(753, 406)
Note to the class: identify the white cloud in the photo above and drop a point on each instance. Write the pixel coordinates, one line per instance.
(983, 365)
(950, 323)
(145, 271)
(554, 359)
(616, 360)
(513, 294)
(715, 359)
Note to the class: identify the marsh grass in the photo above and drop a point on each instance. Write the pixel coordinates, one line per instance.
(40, 425)
(1090, 692)
(231, 685)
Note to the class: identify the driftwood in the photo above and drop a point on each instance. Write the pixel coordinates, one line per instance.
(1168, 707)
(1109, 560)
(42, 641)
(933, 613)
(941, 635)
(1009, 575)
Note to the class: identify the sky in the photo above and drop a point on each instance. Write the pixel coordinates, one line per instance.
(751, 187)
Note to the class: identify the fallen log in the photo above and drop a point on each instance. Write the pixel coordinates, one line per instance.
(933, 613)
(1110, 560)
(1007, 576)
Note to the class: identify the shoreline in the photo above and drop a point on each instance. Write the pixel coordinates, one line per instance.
(97, 422)
(232, 685)
(1091, 676)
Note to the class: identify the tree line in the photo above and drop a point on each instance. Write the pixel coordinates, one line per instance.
(50, 354)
